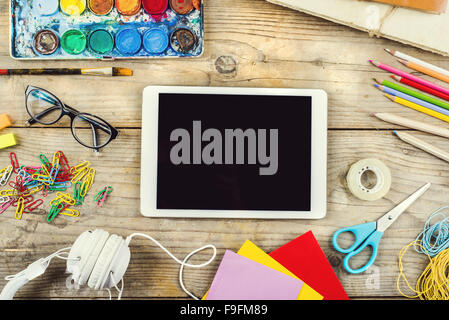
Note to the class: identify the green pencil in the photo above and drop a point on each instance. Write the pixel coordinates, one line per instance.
(413, 93)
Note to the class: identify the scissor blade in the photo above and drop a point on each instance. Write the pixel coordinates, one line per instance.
(389, 218)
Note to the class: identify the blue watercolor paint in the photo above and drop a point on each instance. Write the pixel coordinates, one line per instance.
(155, 40)
(46, 7)
(128, 41)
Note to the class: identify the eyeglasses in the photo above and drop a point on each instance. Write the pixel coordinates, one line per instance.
(89, 130)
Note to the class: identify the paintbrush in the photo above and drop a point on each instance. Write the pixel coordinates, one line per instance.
(108, 72)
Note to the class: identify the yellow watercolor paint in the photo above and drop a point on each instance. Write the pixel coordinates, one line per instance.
(73, 7)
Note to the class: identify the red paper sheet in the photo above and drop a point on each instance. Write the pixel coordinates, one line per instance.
(304, 257)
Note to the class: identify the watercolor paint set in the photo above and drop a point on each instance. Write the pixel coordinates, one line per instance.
(106, 29)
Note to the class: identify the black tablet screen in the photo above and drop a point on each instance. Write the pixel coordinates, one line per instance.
(234, 152)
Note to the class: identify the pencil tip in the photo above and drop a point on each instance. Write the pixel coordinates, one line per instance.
(374, 62)
(388, 50)
(402, 61)
(395, 77)
(373, 114)
(394, 131)
(377, 81)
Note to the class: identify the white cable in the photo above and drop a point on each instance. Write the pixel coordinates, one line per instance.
(46, 260)
(182, 263)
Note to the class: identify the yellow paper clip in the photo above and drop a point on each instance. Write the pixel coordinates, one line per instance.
(5, 174)
(63, 197)
(56, 156)
(70, 213)
(80, 174)
(20, 208)
(80, 167)
(8, 193)
(33, 190)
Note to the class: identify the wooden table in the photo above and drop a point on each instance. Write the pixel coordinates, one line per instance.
(248, 43)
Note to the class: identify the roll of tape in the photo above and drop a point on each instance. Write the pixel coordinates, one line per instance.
(383, 179)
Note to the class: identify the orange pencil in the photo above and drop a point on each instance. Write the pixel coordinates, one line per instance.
(429, 72)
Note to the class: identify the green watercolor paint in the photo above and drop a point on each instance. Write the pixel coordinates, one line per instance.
(73, 41)
(101, 41)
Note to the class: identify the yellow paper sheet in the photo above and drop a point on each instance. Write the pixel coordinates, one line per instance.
(253, 252)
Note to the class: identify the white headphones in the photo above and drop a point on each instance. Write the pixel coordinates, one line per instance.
(98, 259)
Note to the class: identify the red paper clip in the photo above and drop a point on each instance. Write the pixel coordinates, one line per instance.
(33, 206)
(63, 161)
(14, 162)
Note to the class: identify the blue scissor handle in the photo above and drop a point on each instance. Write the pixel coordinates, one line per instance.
(373, 240)
(361, 232)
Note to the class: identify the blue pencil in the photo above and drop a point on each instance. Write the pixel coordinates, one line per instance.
(412, 99)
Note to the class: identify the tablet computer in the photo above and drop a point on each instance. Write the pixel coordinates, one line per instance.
(234, 153)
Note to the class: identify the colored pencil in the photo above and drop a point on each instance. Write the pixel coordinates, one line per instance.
(429, 72)
(421, 87)
(409, 76)
(414, 93)
(404, 56)
(420, 144)
(413, 124)
(110, 72)
(412, 99)
(417, 107)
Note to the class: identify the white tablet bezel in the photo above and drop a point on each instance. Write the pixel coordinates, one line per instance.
(150, 117)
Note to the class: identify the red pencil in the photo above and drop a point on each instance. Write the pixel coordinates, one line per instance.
(421, 87)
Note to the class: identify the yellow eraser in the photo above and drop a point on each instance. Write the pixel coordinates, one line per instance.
(4, 121)
(7, 140)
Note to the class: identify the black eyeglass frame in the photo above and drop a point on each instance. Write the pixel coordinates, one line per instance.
(73, 114)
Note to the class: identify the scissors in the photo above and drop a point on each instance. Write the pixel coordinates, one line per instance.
(369, 234)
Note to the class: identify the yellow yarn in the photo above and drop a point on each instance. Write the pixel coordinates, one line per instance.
(433, 283)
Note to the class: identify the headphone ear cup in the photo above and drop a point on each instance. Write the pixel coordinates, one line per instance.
(91, 258)
(84, 254)
(103, 264)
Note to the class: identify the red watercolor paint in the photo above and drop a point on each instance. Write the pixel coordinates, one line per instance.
(156, 8)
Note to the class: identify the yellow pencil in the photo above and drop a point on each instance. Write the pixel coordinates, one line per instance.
(417, 107)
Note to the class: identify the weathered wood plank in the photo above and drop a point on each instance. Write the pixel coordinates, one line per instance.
(153, 274)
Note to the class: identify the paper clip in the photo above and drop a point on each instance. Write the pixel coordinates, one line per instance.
(7, 172)
(14, 162)
(70, 213)
(20, 208)
(26, 200)
(33, 206)
(102, 195)
(80, 167)
(55, 158)
(77, 194)
(80, 174)
(5, 206)
(8, 193)
(55, 210)
(63, 161)
(54, 172)
(33, 190)
(63, 197)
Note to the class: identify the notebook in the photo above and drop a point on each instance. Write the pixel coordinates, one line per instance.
(409, 26)
(304, 258)
(240, 278)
